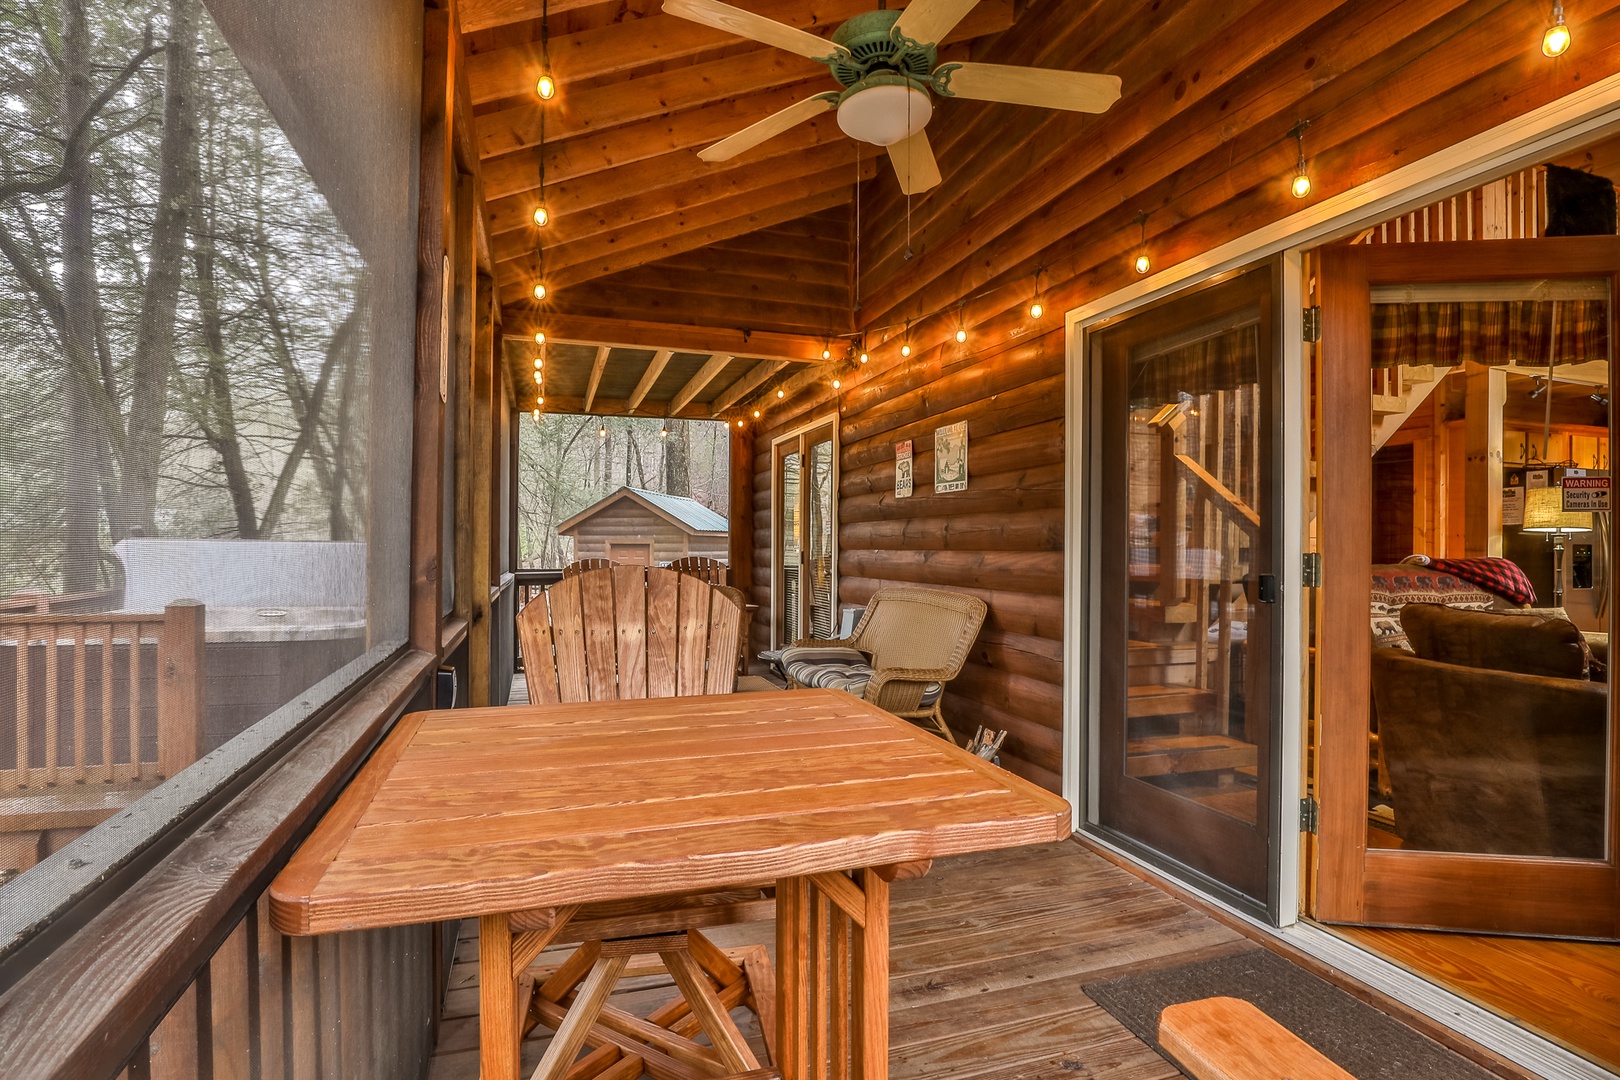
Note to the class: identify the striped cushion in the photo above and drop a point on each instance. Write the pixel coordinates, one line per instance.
(835, 668)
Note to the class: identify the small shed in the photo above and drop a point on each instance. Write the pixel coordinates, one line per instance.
(638, 526)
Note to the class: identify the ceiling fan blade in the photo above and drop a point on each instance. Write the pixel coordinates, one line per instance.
(914, 164)
(770, 127)
(1078, 91)
(734, 20)
(928, 21)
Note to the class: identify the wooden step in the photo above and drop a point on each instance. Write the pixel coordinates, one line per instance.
(1181, 755)
(1157, 700)
(1225, 1038)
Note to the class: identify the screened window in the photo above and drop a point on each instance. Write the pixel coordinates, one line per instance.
(207, 289)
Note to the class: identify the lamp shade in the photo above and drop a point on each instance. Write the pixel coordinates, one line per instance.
(885, 114)
(1544, 513)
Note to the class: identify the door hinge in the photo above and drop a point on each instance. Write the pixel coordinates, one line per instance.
(1308, 809)
(1313, 323)
(1312, 570)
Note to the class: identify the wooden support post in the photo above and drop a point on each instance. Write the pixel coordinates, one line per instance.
(1487, 394)
(433, 228)
(871, 982)
(181, 706)
(497, 1000)
(479, 478)
(742, 516)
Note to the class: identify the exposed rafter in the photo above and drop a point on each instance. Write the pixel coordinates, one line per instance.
(655, 368)
(597, 367)
(694, 386)
(747, 384)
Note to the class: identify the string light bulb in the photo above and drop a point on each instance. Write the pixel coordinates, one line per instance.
(539, 363)
(539, 401)
(780, 394)
(1301, 185)
(961, 323)
(1555, 42)
(905, 346)
(539, 290)
(837, 384)
(538, 376)
(826, 350)
(542, 216)
(864, 357)
(1143, 264)
(537, 414)
(663, 432)
(739, 423)
(601, 432)
(545, 86)
(756, 414)
(961, 335)
(1036, 308)
(540, 337)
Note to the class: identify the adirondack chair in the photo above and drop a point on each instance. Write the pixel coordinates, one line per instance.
(579, 566)
(636, 632)
(713, 571)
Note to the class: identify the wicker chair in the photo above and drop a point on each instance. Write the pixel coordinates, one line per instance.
(915, 637)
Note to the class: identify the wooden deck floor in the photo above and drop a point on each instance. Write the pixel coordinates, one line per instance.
(988, 954)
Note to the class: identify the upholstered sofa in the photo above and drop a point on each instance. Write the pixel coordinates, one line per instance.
(1494, 733)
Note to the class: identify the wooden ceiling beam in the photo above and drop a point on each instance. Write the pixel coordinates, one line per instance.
(627, 100)
(619, 407)
(604, 300)
(659, 38)
(600, 151)
(655, 368)
(730, 187)
(672, 171)
(598, 366)
(755, 378)
(695, 385)
(487, 14)
(521, 321)
(649, 241)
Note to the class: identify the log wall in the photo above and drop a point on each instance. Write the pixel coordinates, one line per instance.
(1038, 201)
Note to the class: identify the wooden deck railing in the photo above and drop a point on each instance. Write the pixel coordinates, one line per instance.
(112, 699)
(530, 584)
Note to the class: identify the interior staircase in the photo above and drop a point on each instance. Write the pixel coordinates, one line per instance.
(1397, 393)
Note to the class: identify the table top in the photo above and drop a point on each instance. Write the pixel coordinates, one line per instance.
(475, 811)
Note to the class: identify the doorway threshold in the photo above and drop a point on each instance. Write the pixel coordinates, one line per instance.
(1511, 1042)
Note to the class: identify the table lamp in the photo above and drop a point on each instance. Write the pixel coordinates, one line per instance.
(1544, 513)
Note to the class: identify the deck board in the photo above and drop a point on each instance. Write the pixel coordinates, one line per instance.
(988, 954)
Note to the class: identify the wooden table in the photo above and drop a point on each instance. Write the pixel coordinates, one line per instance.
(490, 812)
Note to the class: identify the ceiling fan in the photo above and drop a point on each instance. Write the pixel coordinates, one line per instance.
(888, 65)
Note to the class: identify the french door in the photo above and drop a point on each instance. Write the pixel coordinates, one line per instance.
(1494, 809)
(1184, 531)
(804, 570)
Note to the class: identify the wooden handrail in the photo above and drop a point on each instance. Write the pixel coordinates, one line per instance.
(1219, 490)
(89, 1005)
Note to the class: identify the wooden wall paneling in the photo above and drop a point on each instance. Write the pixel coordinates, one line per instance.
(433, 230)
(654, 39)
(180, 1041)
(510, 174)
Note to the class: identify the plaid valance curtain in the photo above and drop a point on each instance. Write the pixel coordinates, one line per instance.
(1225, 361)
(1490, 332)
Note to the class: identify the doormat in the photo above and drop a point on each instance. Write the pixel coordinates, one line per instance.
(1352, 1034)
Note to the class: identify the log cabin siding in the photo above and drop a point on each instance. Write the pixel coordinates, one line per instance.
(1200, 141)
(1001, 539)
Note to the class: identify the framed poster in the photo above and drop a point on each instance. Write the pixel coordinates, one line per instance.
(950, 458)
(902, 470)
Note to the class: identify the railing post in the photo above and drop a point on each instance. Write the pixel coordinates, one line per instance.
(180, 704)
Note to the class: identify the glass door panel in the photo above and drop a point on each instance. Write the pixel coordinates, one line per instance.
(1467, 758)
(789, 551)
(1188, 672)
(819, 497)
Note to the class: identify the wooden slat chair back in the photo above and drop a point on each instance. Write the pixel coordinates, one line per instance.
(579, 566)
(629, 632)
(713, 571)
(611, 634)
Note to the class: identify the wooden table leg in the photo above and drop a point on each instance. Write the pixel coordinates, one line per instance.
(871, 981)
(792, 975)
(497, 1000)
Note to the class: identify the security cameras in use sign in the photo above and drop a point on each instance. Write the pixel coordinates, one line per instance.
(1585, 491)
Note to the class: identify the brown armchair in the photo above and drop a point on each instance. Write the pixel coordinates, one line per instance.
(1488, 760)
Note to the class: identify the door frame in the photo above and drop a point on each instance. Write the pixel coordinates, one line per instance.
(824, 420)
(1358, 884)
(1586, 115)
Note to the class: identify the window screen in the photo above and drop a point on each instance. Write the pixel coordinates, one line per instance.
(207, 284)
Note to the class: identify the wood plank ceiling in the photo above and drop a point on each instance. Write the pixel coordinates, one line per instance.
(667, 261)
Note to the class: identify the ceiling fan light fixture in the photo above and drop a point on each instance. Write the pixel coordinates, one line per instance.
(884, 113)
